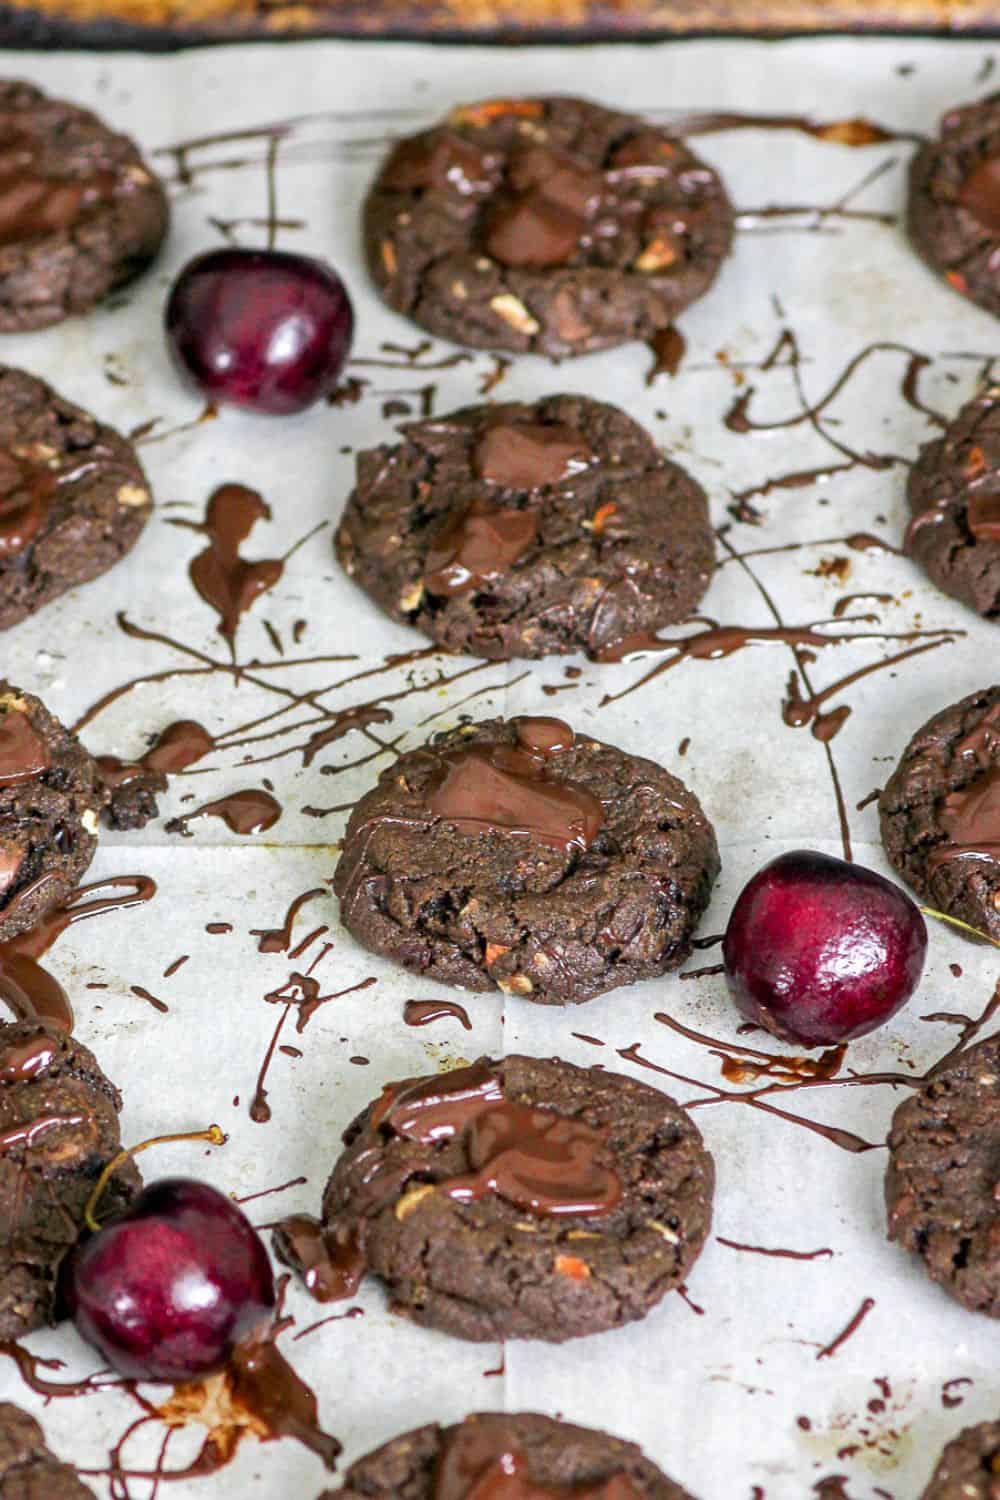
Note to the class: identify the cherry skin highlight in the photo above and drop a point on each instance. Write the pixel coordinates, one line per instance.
(262, 329)
(167, 1290)
(818, 951)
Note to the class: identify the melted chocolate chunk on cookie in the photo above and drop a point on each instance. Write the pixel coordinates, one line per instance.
(80, 212)
(954, 497)
(525, 1198)
(940, 812)
(517, 856)
(538, 224)
(969, 1467)
(518, 530)
(73, 496)
(941, 1185)
(28, 1471)
(506, 1456)
(50, 799)
(58, 1129)
(954, 202)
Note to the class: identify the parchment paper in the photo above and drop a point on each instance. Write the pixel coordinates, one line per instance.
(733, 1396)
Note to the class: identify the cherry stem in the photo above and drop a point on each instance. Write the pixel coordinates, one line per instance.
(214, 1135)
(942, 916)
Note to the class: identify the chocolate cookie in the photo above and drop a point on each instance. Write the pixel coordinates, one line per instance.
(969, 1467)
(58, 1130)
(519, 856)
(941, 1183)
(518, 1456)
(28, 1471)
(80, 212)
(73, 496)
(519, 530)
(550, 225)
(50, 798)
(954, 495)
(526, 1198)
(940, 812)
(953, 210)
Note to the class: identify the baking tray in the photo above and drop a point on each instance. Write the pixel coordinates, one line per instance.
(746, 1387)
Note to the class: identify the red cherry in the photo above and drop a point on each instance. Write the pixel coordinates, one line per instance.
(167, 1290)
(262, 329)
(819, 951)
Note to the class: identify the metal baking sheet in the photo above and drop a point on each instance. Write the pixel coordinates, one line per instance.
(825, 350)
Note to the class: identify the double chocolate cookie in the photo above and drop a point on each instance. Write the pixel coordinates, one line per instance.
(73, 496)
(941, 1183)
(549, 224)
(969, 1467)
(80, 212)
(519, 856)
(516, 1456)
(58, 1130)
(518, 530)
(51, 796)
(28, 1471)
(526, 1198)
(954, 496)
(940, 812)
(953, 210)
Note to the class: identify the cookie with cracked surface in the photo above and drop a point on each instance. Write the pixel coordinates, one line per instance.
(516, 1453)
(58, 1130)
(73, 496)
(942, 1179)
(80, 211)
(969, 1466)
(954, 496)
(953, 208)
(516, 855)
(525, 1198)
(528, 530)
(549, 225)
(28, 1471)
(940, 812)
(51, 796)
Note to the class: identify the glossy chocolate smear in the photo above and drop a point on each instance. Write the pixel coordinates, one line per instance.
(429, 1110)
(22, 1061)
(983, 742)
(971, 819)
(32, 202)
(445, 162)
(480, 1461)
(24, 755)
(983, 516)
(479, 543)
(543, 735)
(26, 491)
(11, 857)
(980, 194)
(537, 1160)
(530, 455)
(508, 791)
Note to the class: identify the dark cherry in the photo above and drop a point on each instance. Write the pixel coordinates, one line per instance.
(819, 951)
(166, 1290)
(263, 329)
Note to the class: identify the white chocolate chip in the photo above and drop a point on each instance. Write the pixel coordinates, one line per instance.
(667, 1233)
(517, 984)
(412, 596)
(410, 1200)
(133, 495)
(513, 312)
(89, 820)
(11, 700)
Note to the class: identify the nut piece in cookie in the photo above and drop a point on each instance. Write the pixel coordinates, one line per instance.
(50, 798)
(58, 1130)
(528, 530)
(940, 812)
(516, 855)
(513, 1453)
(953, 209)
(73, 496)
(526, 1198)
(549, 225)
(80, 211)
(28, 1471)
(954, 496)
(941, 1182)
(969, 1466)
